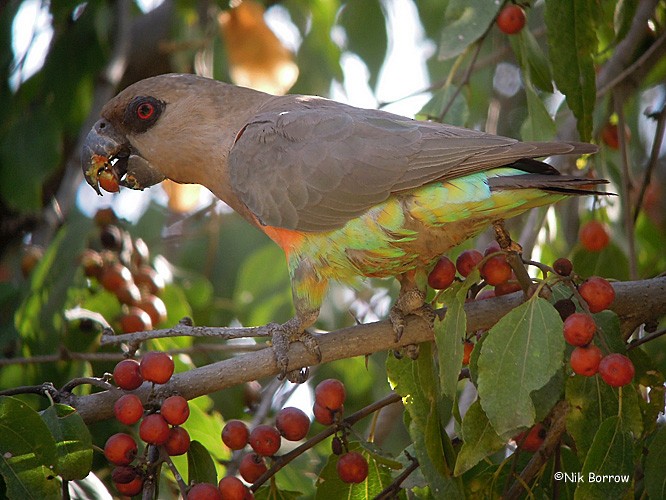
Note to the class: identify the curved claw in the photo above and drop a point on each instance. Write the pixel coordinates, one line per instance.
(282, 336)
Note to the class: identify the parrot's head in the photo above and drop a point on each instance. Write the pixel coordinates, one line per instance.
(110, 148)
(169, 126)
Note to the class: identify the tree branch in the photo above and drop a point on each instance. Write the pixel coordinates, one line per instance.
(636, 302)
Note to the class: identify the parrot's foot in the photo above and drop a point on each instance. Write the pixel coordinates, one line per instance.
(285, 334)
(397, 317)
(503, 238)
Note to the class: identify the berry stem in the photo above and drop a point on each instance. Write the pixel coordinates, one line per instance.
(164, 457)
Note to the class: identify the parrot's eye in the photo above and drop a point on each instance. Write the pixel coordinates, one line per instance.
(145, 111)
(142, 112)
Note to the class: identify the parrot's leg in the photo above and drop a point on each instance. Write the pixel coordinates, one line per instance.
(308, 290)
(411, 300)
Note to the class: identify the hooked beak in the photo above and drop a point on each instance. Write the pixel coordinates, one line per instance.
(105, 152)
(102, 145)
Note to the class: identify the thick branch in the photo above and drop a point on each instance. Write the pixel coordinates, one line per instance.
(636, 302)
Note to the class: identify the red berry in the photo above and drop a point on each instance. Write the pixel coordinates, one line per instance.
(507, 287)
(154, 429)
(127, 374)
(496, 270)
(232, 488)
(323, 415)
(92, 263)
(579, 329)
(594, 236)
(265, 440)
(585, 360)
(136, 320)
(336, 445)
(114, 276)
(616, 370)
(149, 280)
(563, 266)
(330, 393)
(178, 442)
(156, 367)
(155, 308)
(120, 449)
(235, 434)
(108, 180)
(533, 440)
(251, 467)
(123, 474)
(352, 467)
(443, 274)
(130, 489)
(511, 19)
(609, 134)
(128, 409)
(467, 261)
(565, 307)
(598, 293)
(128, 293)
(175, 410)
(292, 423)
(204, 491)
(467, 353)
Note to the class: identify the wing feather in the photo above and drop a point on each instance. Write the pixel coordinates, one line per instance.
(311, 164)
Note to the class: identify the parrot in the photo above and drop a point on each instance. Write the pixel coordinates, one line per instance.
(345, 192)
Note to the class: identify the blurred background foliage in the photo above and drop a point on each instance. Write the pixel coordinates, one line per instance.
(60, 61)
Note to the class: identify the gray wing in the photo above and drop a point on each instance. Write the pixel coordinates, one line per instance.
(320, 163)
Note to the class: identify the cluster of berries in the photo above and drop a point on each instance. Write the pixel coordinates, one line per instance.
(579, 331)
(159, 423)
(495, 271)
(122, 268)
(328, 408)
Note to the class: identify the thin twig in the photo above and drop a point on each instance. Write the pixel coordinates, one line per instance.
(654, 158)
(557, 428)
(392, 489)
(647, 338)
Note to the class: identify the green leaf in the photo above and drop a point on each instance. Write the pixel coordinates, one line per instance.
(450, 334)
(203, 426)
(534, 61)
(28, 452)
(263, 291)
(29, 152)
(365, 26)
(611, 456)
(545, 398)
(72, 439)
(415, 382)
(655, 479)
(572, 43)
(539, 125)
(465, 22)
(611, 262)
(479, 439)
(592, 401)
(521, 354)
(457, 112)
(200, 465)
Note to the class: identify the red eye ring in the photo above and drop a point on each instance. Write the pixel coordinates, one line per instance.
(145, 111)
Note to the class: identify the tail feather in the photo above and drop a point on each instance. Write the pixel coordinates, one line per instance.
(551, 182)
